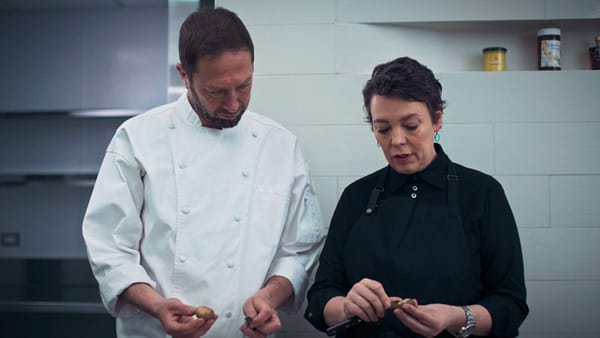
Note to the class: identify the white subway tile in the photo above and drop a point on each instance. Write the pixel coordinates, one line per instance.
(359, 48)
(339, 150)
(562, 309)
(574, 201)
(532, 96)
(529, 199)
(547, 148)
(281, 12)
(293, 49)
(561, 254)
(326, 189)
(568, 9)
(433, 10)
(470, 145)
(310, 99)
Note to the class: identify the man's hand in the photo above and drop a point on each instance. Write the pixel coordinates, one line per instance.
(262, 318)
(261, 309)
(176, 318)
(179, 321)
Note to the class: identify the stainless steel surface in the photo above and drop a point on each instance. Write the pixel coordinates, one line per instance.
(51, 307)
(48, 286)
(45, 5)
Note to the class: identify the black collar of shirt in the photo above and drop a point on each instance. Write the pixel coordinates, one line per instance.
(435, 174)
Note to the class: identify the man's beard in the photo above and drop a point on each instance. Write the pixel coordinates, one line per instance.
(212, 119)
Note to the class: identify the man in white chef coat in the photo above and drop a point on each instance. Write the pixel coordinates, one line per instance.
(202, 202)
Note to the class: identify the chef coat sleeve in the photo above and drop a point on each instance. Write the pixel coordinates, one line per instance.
(330, 279)
(112, 227)
(302, 237)
(502, 274)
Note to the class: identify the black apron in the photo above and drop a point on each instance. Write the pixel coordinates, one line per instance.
(415, 250)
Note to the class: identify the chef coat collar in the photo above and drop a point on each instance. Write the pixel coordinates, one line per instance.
(190, 116)
(187, 112)
(435, 174)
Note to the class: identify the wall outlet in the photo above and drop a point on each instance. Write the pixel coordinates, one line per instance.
(11, 239)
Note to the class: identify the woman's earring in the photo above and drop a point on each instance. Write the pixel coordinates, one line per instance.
(378, 145)
(436, 137)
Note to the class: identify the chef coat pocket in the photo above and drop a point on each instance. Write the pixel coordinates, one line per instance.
(269, 209)
(310, 222)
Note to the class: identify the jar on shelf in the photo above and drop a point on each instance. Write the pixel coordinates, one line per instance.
(595, 54)
(494, 59)
(549, 49)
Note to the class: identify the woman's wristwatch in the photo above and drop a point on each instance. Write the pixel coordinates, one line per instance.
(469, 327)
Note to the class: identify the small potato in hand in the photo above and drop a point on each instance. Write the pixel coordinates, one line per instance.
(399, 303)
(205, 312)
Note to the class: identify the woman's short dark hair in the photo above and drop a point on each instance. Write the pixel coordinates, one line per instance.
(407, 79)
(211, 31)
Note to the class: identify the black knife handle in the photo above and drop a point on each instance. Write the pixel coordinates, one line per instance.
(343, 326)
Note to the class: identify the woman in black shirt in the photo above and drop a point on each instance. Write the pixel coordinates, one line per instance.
(422, 228)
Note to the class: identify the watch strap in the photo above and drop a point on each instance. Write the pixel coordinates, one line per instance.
(469, 327)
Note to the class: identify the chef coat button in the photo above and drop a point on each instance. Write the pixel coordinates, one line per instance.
(230, 265)
(182, 258)
(228, 314)
(415, 188)
(254, 134)
(182, 165)
(185, 211)
(413, 195)
(171, 126)
(237, 218)
(245, 173)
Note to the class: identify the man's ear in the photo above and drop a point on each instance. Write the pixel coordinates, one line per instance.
(183, 75)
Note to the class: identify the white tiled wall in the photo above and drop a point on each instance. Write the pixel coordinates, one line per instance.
(534, 131)
(574, 201)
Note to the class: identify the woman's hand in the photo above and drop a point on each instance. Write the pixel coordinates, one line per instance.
(367, 300)
(427, 320)
(179, 321)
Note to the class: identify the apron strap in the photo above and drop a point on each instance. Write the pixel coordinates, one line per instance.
(372, 205)
(452, 178)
